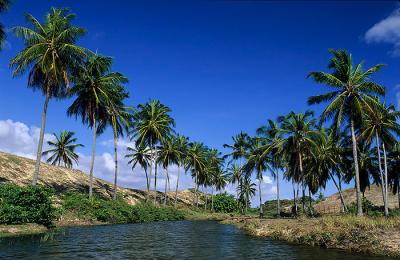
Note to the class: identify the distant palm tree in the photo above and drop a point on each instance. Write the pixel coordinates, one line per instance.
(4, 4)
(181, 142)
(152, 125)
(235, 177)
(219, 181)
(247, 190)
(169, 153)
(380, 123)
(119, 117)
(62, 150)
(94, 86)
(196, 163)
(352, 95)
(50, 55)
(140, 155)
(298, 137)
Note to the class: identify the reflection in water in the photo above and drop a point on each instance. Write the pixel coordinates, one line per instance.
(162, 240)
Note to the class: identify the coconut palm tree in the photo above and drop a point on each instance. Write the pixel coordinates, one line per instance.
(119, 117)
(219, 181)
(298, 135)
(235, 177)
(196, 163)
(151, 126)
(50, 55)
(169, 154)
(352, 94)
(380, 123)
(94, 87)
(181, 143)
(247, 190)
(4, 4)
(140, 155)
(259, 163)
(62, 150)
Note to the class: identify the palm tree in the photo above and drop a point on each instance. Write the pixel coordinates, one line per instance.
(181, 143)
(219, 181)
(271, 136)
(168, 154)
(63, 149)
(247, 190)
(94, 86)
(196, 163)
(119, 117)
(50, 55)
(351, 97)
(381, 122)
(140, 155)
(4, 4)
(259, 163)
(298, 137)
(152, 125)
(235, 177)
(394, 170)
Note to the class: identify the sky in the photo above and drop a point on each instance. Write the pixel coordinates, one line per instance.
(221, 66)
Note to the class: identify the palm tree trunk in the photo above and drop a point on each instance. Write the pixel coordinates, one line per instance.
(302, 182)
(259, 190)
(380, 168)
(386, 181)
(205, 195)
(212, 198)
(35, 177)
(177, 185)
(94, 129)
(166, 186)
(357, 173)
(155, 180)
(195, 190)
(151, 171)
(147, 182)
(309, 201)
(294, 198)
(278, 206)
(340, 192)
(116, 168)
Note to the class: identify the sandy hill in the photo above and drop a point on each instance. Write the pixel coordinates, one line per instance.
(332, 203)
(18, 170)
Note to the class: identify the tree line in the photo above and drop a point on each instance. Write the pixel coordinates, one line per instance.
(354, 139)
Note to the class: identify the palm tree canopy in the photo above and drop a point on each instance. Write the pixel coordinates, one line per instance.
(169, 153)
(50, 52)
(4, 4)
(239, 147)
(139, 155)
(95, 87)
(353, 89)
(152, 123)
(62, 150)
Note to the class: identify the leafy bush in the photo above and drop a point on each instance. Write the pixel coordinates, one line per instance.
(225, 203)
(29, 204)
(369, 208)
(116, 211)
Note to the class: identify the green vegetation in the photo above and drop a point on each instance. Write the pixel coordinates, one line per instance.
(225, 203)
(29, 204)
(116, 211)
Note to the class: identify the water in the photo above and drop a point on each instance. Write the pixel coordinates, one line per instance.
(160, 240)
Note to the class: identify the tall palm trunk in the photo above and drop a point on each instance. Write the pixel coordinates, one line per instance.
(278, 206)
(340, 192)
(177, 185)
(357, 172)
(94, 133)
(166, 187)
(212, 198)
(310, 202)
(155, 180)
(294, 198)
(151, 171)
(206, 197)
(147, 182)
(195, 190)
(302, 182)
(116, 168)
(380, 169)
(386, 181)
(41, 137)
(259, 190)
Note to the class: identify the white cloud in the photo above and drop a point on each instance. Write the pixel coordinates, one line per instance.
(267, 179)
(386, 31)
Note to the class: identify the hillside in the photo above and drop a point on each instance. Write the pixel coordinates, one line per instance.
(18, 170)
(332, 203)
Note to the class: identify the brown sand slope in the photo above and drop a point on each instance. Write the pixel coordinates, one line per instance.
(18, 170)
(332, 203)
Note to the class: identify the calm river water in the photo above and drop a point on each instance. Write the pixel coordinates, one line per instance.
(160, 240)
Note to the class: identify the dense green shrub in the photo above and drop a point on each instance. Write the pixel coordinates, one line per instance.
(116, 211)
(29, 204)
(369, 208)
(225, 203)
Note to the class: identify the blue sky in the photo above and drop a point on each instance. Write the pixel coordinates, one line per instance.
(222, 66)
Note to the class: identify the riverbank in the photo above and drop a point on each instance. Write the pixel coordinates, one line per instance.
(374, 236)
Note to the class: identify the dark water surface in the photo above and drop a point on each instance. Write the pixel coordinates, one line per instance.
(160, 240)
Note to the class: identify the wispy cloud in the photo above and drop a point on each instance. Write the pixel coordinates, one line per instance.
(386, 31)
